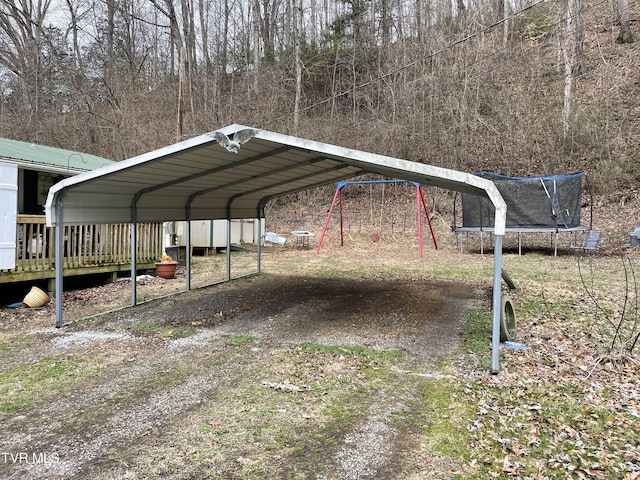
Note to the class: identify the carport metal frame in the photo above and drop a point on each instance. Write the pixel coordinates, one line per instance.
(200, 180)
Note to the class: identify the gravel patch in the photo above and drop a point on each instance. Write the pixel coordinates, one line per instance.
(117, 409)
(368, 448)
(67, 339)
(74, 451)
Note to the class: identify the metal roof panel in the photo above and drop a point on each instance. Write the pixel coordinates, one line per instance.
(202, 180)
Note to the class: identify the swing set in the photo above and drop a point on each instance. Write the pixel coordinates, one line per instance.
(420, 204)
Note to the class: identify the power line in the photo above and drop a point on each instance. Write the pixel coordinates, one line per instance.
(413, 63)
(431, 55)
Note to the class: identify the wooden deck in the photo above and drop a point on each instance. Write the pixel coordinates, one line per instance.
(88, 249)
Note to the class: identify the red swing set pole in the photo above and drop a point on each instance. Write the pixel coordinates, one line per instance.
(420, 203)
(341, 226)
(426, 212)
(419, 221)
(326, 223)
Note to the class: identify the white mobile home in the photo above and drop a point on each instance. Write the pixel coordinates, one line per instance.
(211, 236)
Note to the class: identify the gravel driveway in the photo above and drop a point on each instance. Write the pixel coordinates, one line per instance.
(137, 396)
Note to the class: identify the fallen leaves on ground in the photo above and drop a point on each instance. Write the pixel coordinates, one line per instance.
(559, 408)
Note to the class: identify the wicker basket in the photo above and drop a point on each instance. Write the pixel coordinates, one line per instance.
(36, 298)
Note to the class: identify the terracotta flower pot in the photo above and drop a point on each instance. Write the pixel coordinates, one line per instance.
(166, 269)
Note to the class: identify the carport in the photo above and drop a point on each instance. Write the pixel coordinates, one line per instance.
(201, 179)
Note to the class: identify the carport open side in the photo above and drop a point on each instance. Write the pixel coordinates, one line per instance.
(210, 178)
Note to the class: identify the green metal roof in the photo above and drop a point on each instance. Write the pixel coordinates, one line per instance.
(42, 157)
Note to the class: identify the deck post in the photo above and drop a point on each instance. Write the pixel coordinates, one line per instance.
(51, 286)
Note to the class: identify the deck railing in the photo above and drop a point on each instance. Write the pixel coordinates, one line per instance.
(84, 245)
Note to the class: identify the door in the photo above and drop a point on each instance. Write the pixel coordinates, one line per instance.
(8, 211)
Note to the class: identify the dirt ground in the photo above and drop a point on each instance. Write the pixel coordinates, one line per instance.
(216, 383)
(290, 374)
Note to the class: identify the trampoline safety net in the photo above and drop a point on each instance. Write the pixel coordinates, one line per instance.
(532, 202)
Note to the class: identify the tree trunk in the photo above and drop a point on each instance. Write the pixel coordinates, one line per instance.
(297, 19)
(189, 35)
(203, 10)
(419, 27)
(180, 95)
(578, 36)
(461, 8)
(256, 45)
(111, 25)
(567, 57)
(625, 28)
(170, 13)
(501, 14)
(24, 53)
(74, 35)
(385, 26)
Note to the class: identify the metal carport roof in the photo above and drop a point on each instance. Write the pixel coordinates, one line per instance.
(200, 179)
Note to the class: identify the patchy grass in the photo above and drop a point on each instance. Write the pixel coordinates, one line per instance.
(477, 337)
(239, 340)
(167, 331)
(444, 414)
(564, 407)
(288, 417)
(369, 354)
(567, 405)
(25, 386)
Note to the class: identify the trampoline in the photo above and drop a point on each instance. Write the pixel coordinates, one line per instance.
(543, 204)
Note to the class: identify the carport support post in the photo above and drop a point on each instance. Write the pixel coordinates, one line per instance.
(497, 305)
(188, 249)
(59, 263)
(228, 249)
(134, 260)
(259, 243)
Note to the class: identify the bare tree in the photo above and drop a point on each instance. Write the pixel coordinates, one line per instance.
(572, 46)
(578, 36)
(419, 20)
(256, 44)
(180, 95)
(182, 29)
(385, 22)
(29, 51)
(74, 27)
(268, 18)
(297, 18)
(109, 33)
(204, 14)
(189, 34)
(625, 26)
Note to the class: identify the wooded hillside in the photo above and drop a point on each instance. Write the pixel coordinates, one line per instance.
(516, 88)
